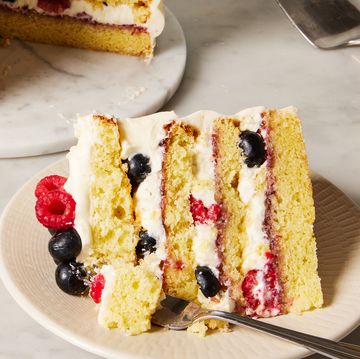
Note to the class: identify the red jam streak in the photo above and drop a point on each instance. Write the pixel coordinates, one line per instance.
(202, 214)
(54, 6)
(179, 265)
(57, 10)
(262, 299)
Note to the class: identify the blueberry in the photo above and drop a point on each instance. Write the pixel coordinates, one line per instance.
(65, 245)
(253, 147)
(71, 278)
(139, 168)
(146, 245)
(209, 284)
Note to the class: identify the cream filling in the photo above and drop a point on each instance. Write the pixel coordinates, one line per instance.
(110, 280)
(203, 188)
(80, 177)
(252, 190)
(143, 135)
(222, 301)
(113, 15)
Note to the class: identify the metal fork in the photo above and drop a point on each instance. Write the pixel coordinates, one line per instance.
(326, 24)
(178, 314)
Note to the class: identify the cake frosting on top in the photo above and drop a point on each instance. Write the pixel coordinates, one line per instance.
(211, 208)
(127, 26)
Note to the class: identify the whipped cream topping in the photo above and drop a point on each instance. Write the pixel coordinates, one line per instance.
(80, 177)
(122, 14)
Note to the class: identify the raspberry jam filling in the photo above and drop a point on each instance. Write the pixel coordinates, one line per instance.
(261, 290)
(54, 6)
(202, 214)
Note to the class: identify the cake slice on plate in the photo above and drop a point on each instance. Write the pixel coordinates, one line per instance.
(124, 26)
(214, 209)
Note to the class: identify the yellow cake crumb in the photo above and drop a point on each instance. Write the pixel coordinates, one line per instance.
(198, 328)
(202, 328)
(179, 277)
(114, 235)
(294, 214)
(74, 32)
(130, 297)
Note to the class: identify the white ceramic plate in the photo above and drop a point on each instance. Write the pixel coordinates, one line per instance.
(43, 87)
(28, 273)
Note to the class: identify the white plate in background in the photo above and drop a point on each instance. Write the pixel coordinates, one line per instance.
(43, 87)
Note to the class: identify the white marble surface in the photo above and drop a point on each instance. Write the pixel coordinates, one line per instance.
(43, 87)
(239, 55)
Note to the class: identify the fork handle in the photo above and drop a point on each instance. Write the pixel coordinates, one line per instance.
(319, 345)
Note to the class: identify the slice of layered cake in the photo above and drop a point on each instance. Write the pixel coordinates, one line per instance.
(210, 208)
(123, 26)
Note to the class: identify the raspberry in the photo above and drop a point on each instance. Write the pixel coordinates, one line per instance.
(96, 287)
(50, 183)
(202, 214)
(249, 283)
(266, 300)
(198, 210)
(56, 210)
(54, 6)
(214, 212)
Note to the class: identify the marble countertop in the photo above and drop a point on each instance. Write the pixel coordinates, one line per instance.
(241, 54)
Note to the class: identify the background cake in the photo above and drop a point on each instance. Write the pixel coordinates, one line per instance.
(124, 26)
(214, 209)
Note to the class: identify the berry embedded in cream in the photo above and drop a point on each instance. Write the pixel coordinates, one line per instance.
(211, 208)
(126, 27)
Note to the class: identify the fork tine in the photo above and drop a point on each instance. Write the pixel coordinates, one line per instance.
(176, 313)
(176, 305)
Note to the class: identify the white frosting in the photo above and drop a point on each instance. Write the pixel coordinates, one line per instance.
(221, 301)
(257, 244)
(143, 135)
(80, 176)
(204, 246)
(203, 188)
(252, 188)
(113, 15)
(203, 169)
(110, 280)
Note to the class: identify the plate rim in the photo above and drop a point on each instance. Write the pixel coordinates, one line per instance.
(80, 341)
